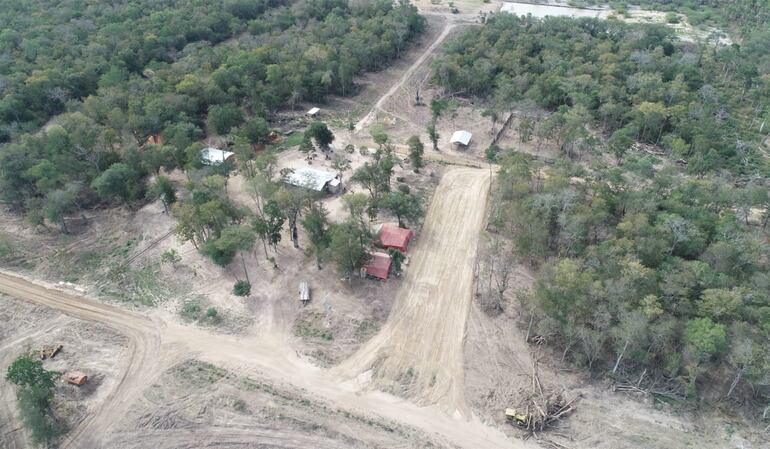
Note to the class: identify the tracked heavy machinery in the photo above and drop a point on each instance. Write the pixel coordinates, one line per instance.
(47, 352)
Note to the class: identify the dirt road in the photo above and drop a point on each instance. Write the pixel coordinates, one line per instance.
(370, 117)
(156, 345)
(142, 334)
(420, 349)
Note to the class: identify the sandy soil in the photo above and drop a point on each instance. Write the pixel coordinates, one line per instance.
(155, 345)
(91, 348)
(419, 350)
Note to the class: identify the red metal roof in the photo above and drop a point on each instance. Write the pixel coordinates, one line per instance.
(391, 236)
(379, 266)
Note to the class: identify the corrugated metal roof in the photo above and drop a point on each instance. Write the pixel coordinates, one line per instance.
(379, 266)
(462, 137)
(214, 156)
(392, 236)
(310, 178)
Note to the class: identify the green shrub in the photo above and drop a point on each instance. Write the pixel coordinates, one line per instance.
(191, 310)
(6, 248)
(170, 257)
(242, 288)
(492, 152)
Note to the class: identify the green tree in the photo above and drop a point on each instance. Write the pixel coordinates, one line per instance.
(119, 181)
(222, 118)
(416, 151)
(27, 372)
(306, 146)
(375, 177)
(398, 258)
(348, 247)
(720, 304)
(243, 238)
(316, 225)
(433, 135)
(321, 134)
(437, 107)
(704, 339)
(164, 190)
(58, 203)
(292, 202)
(34, 397)
(269, 224)
(405, 206)
(255, 131)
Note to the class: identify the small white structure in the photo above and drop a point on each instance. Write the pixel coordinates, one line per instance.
(304, 292)
(215, 156)
(313, 112)
(461, 138)
(314, 179)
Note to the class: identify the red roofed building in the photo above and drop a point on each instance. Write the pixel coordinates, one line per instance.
(391, 236)
(379, 266)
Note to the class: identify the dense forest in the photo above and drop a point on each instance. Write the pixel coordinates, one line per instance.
(708, 107)
(115, 74)
(652, 263)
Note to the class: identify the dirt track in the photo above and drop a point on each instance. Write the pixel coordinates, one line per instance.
(369, 118)
(155, 346)
(420, 349)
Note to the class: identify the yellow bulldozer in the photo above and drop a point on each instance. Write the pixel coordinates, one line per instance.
(47, 352)
(517, 418)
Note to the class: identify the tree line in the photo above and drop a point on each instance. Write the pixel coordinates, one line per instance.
(658, 273)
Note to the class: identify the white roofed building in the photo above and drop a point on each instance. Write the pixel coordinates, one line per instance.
(314, 179)
(215, 156)
(461, 138)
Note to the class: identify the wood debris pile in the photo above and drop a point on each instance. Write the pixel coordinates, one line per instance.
(647, 148)
(540, 409)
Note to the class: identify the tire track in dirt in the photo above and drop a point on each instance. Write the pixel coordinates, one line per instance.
(419, 351)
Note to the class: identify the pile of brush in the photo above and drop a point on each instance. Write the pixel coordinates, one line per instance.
(538, 408)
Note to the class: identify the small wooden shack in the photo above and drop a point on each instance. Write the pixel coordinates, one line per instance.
(304, 292)
(76, 378)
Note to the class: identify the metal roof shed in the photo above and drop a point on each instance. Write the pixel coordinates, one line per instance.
(461, 138)
(379, 266)
(215, 156)
(313, 112)
(314, 179)
(392, 236)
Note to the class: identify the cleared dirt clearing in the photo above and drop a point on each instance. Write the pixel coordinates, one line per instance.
(156, 345)
(420, 349)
